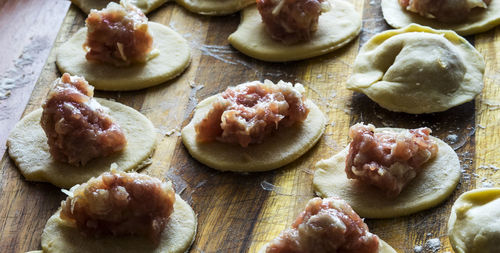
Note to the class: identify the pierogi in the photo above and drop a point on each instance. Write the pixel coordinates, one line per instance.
(474, 223)
(418, 70)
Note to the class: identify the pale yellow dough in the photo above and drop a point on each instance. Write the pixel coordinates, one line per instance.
(418, 70)
(336, 28)
(60, 236)
(28, 148)
(283, 147)
(146, 6)
(383, 247)
(480, 19)
(474, 224)
(173, 58)
(215, 7)
(433, 185)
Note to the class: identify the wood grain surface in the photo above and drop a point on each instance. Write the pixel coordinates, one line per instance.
(241, 212)
(28, 29)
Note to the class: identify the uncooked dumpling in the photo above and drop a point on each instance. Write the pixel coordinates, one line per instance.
(474, 224)
(438, 179)
(179, 233)
(28, 148)
(282, 147)
(418, 70)
(336, 27)
(173, 58)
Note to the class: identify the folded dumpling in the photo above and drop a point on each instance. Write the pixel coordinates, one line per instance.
(417, 69)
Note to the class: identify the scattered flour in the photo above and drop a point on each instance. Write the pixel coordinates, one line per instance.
(432, 245)
(452, 138)
(193, 101)
(492, 105)
(418, 249)
(487, 185)
(489, 166)
(270, 187)
(22, 73)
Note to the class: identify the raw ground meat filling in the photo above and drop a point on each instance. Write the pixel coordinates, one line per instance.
(388, 160)
(448, 11)
(118, 35)
(76, 125)
(249, 112)
(327, 225)
(120, 204)
(291, 21)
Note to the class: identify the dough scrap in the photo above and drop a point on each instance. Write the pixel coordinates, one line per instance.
(59, 236)
(173, 59)
(480, 20)
(336, 28)
(214, 7)
(146, 6)
(383, 247)
(474, 224)
(418, 70)
(27, 145)
(433, 185)
(283, 147)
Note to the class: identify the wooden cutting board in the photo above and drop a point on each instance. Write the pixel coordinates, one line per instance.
(241, 212)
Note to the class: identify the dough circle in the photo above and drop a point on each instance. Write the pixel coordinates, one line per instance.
(474, 224)
(383, 247)
(179, 234)
(418, 70)
(215, 7)
(173, 59)
(27, 145)
(480, 20)
(432, 186)
(283, 147)
(87, 5)
(336, 28)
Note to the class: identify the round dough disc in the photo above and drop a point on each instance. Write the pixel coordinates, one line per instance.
(383, 247)
(173, 59)
(474, 224)
(59, 236)
(480, 19)
(145, 5)
(215, 7)
(417, 69)
(433, 185)
(28, 148)
(336, 28)
(283, 147)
